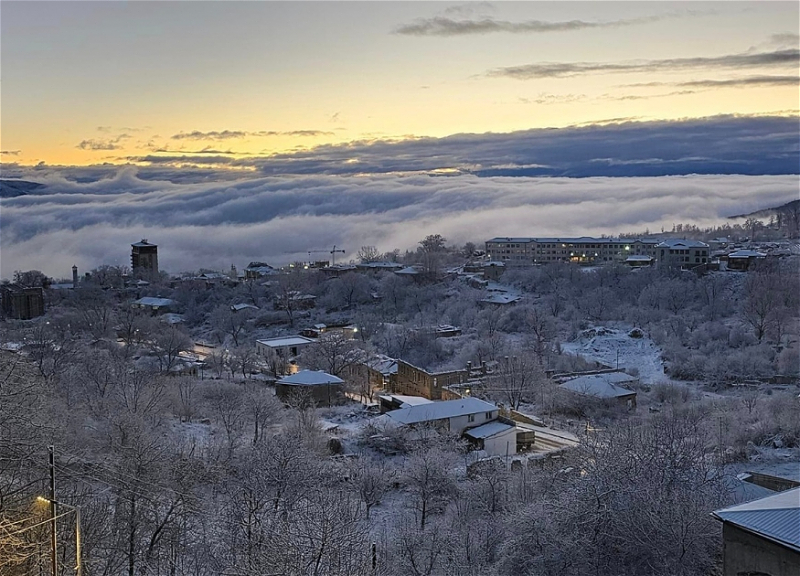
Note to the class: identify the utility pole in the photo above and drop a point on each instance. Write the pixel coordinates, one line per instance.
(53, 511)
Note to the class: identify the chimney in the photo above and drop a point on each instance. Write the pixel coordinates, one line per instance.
(74, 276)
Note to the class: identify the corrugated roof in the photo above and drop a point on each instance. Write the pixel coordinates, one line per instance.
(488, 430)
(776, 518)
(311, 378)
(440, 410)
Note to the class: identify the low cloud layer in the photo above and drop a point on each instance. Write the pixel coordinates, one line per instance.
(216, 223)
(782, 58)
(238, 134)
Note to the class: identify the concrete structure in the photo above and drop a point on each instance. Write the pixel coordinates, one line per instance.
(525, 251)
(414, 381)
(21, 303)
(144, 258)
(389, 402)
(319, 387)
(762, 537)
(679, 253)
(281, 353)
(495, 438)
(606, 386)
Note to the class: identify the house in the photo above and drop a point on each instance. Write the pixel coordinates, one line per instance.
(381, 371)
(154, 305)
(348, 331)
(376, 267)
(144, 258)
(258, 270)
(453, 416)
(295, 300)
(763, 536)
(493, 270)
(678, 253)
(414, 381)
(243, 306)
(281, 352)
(606, 387)
(22, 303)
(743, 259)
(319, 387)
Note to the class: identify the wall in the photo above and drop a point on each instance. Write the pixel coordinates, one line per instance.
(498, 444)
(745, 553)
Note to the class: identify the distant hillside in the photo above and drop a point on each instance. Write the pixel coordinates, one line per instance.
(14, 188)
(788, 208)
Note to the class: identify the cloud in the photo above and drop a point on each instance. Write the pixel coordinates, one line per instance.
(10, 152)
(778, 58)
(724, 140)
(743, 82)
(466, 26)
(216, 222)
(237, 134)
(99, 144)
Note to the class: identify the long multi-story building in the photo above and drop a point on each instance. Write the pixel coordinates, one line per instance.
(526, 251)
(583, 250)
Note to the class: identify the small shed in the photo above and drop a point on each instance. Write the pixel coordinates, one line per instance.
(311, 385)
(495, 438)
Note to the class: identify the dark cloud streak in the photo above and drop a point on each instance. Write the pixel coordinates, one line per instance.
(784, 58)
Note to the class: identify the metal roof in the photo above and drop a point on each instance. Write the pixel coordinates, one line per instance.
(156, 302)
(440, 410)
(488, 430)
(600, 385)
(282, 341)
(681, 243)
(776, 518)
(311, 378)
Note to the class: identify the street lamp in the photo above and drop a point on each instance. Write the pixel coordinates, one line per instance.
(77, 510)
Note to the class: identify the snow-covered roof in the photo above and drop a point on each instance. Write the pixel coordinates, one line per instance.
(601, 385)
(154, 302)
(747, 254)
(380, 265)
(776, 518)
(172, 318)
(382, 364)
(411, 270)
(440, 410)
(238, 307)
(406, 401)
(580, 240)
(282, 341)
(639, 258)
(502, 298)
(488, 430)
(311, 378)
(142, 243)
(682, 243)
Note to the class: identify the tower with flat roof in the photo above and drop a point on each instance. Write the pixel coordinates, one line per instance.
(144, 258)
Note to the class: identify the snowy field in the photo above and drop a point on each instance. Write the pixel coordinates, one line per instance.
(615, 348)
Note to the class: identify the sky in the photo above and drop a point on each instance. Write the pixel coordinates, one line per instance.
(91, 82)
(229, 131)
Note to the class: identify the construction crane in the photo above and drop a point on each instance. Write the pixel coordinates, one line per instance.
(332, 252)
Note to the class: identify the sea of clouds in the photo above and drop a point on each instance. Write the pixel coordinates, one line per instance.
(223, 219)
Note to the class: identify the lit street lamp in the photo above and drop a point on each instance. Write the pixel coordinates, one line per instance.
(77, 510)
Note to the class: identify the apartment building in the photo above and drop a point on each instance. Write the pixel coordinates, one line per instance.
(584, 250)
(413, 381)
(682, 253)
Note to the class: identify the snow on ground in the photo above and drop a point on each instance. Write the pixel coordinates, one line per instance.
(614, 347)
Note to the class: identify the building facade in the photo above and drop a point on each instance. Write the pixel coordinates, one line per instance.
(679, 253)
(21, 303)
(584, 250)
(413, 381)
(144, 258)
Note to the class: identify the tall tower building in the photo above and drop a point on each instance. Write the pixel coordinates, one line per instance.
(144, 258)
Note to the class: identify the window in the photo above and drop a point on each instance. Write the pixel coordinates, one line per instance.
(488, 415)
(471, 418)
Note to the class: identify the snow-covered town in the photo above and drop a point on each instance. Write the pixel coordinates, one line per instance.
(416, 413)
